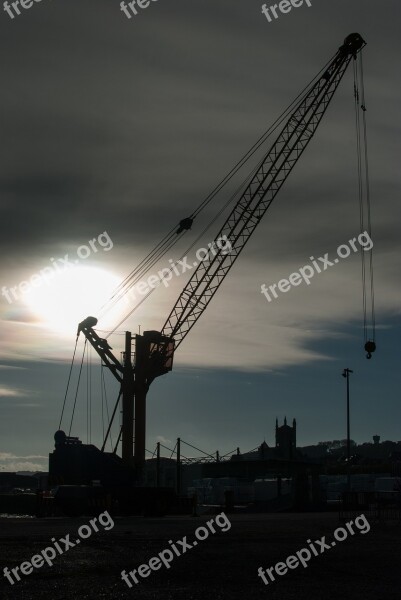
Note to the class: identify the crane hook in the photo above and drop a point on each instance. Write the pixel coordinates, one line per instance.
(370, 347)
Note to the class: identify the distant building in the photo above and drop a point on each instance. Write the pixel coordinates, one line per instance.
(286, 440)
(15, 481)
(285, 445)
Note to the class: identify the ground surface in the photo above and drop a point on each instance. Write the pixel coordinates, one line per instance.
(224, 566)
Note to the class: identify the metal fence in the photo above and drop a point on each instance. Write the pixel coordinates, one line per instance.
(379, 506)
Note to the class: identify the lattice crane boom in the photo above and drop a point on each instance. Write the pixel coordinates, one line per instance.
(273, 171)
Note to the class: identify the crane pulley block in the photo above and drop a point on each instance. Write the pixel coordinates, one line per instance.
(185, 225)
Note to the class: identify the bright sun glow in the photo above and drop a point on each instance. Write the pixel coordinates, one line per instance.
(70, 297)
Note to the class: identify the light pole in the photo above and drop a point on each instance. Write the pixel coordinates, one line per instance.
(346, 374)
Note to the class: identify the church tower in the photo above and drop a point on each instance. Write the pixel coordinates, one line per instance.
(286, 439)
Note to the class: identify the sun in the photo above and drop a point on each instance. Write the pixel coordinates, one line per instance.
(70, 297)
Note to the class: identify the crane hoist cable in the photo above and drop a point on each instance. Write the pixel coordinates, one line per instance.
(275, 125)
(136, 276)
(76, 392)
(102, 400)
(171, 238)
(109, 421)
(231, 199)
(88, 396)
(118, 440)
(139, 273)
(105, 402)
(156, 252)
(364, 199)
(87, 400)
(68, 382)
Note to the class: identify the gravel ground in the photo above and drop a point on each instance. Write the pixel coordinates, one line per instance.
(223, 566)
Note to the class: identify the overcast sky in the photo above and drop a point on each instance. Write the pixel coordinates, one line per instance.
(123, 126)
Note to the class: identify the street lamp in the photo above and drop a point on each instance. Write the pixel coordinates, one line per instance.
(346, 374)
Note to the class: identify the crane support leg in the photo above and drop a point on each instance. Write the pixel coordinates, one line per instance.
(128, 403)
(141, 389)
